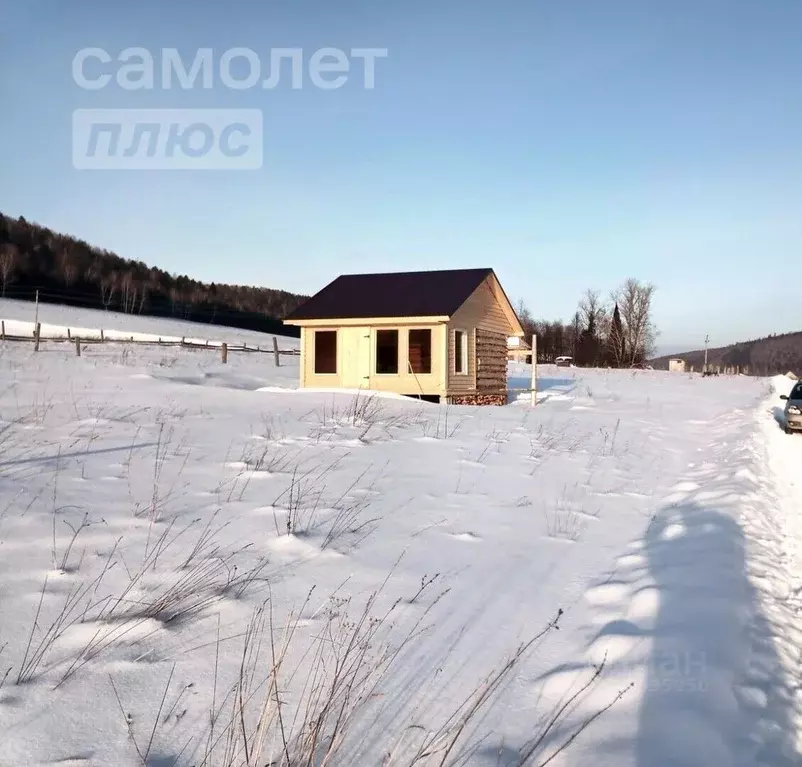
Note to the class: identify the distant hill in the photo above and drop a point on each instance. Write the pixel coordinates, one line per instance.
(763, 356)
(67, 270)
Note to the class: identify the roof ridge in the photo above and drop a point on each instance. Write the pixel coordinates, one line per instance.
(416, 271)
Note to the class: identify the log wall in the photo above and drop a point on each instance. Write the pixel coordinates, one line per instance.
(491, 362)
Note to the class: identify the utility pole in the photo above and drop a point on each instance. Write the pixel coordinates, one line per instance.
(36, 319)
(707, 341)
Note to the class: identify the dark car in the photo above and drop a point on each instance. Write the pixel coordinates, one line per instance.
(793, 409)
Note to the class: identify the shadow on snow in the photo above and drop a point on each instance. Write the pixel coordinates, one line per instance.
(714, 690)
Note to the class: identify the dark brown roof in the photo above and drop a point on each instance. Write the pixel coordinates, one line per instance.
(393, 294)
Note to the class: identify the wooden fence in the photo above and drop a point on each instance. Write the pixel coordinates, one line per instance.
(222, 346)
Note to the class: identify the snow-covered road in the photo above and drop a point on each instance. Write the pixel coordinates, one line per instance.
(715, 584)
(153, 502)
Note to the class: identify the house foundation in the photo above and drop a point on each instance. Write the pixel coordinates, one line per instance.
(478, 399)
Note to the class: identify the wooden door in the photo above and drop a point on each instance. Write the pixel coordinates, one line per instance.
(356, 358)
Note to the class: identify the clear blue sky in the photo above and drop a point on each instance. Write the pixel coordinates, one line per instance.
(566, 144)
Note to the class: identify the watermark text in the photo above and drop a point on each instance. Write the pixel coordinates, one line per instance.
(679, 672)
(136, 69)
(167, 139)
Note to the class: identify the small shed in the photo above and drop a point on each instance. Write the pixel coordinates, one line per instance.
(519, 350)
(677, 365)
(437, 335)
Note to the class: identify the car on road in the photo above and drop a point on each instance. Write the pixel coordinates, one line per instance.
(793, 409)
(564, 362)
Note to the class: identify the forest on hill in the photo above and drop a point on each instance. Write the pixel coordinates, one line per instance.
(67, 270)
(774, 354)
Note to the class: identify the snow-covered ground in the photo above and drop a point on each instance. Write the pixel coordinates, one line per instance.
(19, 319)
(202, 565)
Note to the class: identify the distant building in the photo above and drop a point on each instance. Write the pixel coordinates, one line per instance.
(677, 365)
(519, 350)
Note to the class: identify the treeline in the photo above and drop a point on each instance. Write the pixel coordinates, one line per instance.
(774, 354)
(613, 332)
(67, 270)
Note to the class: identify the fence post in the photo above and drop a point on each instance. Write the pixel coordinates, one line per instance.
(77, 347)
(275, 352)
(3, 330)
(69, 337)
(36, 334)
(534, 369)
(224, 352)
(102, 337)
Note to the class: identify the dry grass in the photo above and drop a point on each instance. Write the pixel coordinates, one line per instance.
(307, 509)
(444, 426)
(208, 575)
(335, 707)
(546, 441)
(366, 414)
(300, 697)
(564, 520)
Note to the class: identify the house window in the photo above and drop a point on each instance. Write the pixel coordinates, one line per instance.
(325, 352)
(460, 351)
(387, 352)
(420, 351)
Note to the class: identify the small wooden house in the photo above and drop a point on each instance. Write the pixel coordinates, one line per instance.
(519, 350)
(437, 335)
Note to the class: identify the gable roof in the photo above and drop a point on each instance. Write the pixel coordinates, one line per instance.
(392, 294)
(521, 345)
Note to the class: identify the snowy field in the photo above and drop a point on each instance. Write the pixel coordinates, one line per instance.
(19, 318)
(202, 565)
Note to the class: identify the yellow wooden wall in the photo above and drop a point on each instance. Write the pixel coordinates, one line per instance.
(404, 382)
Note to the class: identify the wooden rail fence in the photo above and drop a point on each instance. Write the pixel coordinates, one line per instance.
(223, 347)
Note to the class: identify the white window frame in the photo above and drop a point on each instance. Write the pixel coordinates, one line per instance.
(464, 351)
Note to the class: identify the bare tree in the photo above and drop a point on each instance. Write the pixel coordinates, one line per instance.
(593, 316)
(526, 320)
(67, 265)
(634, 300)
(175, 297)
(128, 292)
(143, 297)
(592, 310)
(8, 260)
(108, 287)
